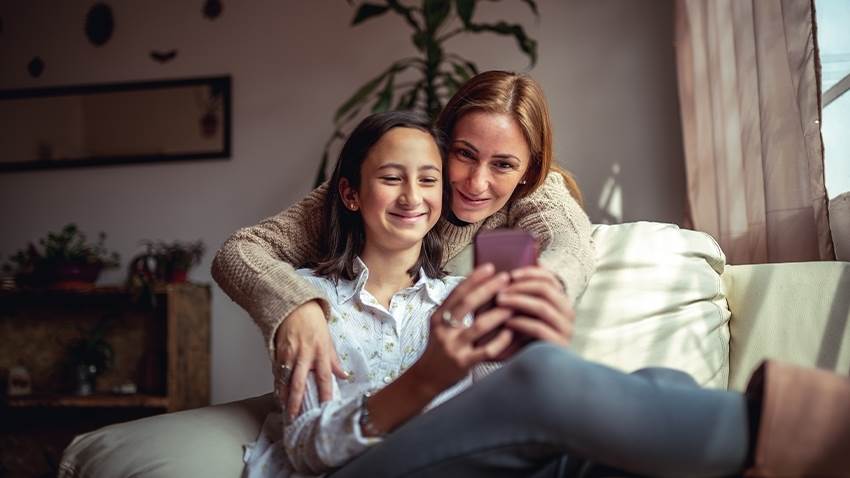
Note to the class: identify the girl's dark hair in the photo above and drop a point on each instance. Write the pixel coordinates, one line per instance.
(342, 229)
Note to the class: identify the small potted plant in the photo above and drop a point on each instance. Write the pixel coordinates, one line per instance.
(63, 259)
(162, 262)
(90, 355)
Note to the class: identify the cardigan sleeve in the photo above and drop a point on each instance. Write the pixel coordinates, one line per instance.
(563, 230)
(256, 265)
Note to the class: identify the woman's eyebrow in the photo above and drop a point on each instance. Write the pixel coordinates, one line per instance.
(496, 156)
(506, 156)
(467, 144)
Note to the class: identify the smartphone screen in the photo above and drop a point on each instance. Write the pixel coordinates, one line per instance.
(506, 249)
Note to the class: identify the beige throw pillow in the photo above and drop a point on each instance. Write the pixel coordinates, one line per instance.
(656, 300)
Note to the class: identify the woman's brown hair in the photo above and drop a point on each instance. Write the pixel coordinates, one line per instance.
(521, 97)
(342, 229)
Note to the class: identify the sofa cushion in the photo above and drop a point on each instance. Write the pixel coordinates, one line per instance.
(201, 442)
(656, 300)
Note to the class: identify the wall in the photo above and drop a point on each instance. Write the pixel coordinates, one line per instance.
(606, 65)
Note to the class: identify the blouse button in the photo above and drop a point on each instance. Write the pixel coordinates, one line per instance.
(388, 379)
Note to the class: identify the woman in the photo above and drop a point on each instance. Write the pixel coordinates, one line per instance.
(501, 173)
(410, 342)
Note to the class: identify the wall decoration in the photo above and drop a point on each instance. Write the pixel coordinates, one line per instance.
(99, 24)
(163, 56)
(36, 67)
(178, 120)
(212, 9)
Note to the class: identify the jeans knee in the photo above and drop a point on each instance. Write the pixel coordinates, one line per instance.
(541, 369)
(668, 376)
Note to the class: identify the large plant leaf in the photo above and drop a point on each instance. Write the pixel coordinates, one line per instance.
(526, 44)
(463, 71)
(465, 9)
(420, 41)
(450, 82)
(408, 100)
(406, 12)
(367, 11)
(362, 94)
(436, 12)
(385, 97)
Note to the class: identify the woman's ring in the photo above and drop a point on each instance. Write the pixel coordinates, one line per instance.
(285, 373)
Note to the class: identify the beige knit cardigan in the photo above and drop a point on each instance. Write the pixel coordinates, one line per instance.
(256, 265)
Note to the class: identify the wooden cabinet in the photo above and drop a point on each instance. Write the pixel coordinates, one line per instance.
(163, 349)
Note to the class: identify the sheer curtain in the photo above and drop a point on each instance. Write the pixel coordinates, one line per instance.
(749, 99)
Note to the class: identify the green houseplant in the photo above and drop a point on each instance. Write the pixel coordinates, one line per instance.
(425, 81)
(90, 355)
(161, 263)
(63, 259)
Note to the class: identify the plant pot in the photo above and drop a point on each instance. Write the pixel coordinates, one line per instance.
(75, 276)
(61, 276)
(177, 276)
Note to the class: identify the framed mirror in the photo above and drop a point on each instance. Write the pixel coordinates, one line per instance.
(117, 123)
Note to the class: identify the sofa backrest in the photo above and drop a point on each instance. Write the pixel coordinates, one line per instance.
(796, 312)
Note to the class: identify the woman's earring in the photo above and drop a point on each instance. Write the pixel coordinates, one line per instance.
(523, 181)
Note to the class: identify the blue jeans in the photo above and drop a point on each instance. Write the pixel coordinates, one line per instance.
(547, 404)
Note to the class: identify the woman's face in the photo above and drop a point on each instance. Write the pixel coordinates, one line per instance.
(488, 157)
(401, 187)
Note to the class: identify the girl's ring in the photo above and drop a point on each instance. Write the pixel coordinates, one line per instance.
(447, 319)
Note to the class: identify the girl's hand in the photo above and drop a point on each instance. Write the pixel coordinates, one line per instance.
(303, 343)
(452, 349)
(542, 309)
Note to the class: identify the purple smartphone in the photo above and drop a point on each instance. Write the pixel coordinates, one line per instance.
(506, 249)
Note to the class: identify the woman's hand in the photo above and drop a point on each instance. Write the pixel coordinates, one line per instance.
(303, 343)
(542, 309)
(452, 350)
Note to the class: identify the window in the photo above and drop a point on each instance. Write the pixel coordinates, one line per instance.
(833, 30)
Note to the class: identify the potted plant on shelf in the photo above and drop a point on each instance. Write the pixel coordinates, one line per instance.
(90, 355)
(63, 260)
(162, 263)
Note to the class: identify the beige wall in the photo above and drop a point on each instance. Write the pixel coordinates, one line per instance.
(607, 67)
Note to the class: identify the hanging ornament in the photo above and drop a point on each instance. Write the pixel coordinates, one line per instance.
(163, 56)
(99, 24)
(36, 67)
(212, 9)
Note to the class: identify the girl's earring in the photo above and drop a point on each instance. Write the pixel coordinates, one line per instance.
(523, 181)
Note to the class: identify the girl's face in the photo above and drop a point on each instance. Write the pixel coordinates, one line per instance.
(488, 157)
(401, 187)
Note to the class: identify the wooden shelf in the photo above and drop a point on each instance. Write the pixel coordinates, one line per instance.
(89, 401)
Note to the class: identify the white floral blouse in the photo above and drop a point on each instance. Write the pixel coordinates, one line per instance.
(375, 346)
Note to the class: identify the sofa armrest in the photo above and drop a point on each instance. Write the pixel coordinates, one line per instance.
(201, 442)
(796, 312)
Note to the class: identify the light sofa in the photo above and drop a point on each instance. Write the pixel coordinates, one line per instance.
(660, 296)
